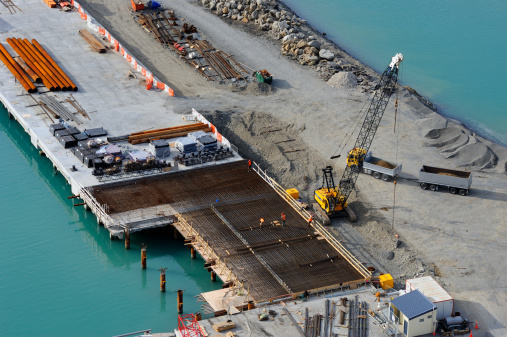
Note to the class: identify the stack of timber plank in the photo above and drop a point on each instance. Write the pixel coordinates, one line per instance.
(94, 43)
(167, 133)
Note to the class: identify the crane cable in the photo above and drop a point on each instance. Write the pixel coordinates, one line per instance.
(353, 127)
(397, 143)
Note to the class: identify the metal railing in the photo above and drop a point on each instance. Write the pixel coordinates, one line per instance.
(315, 224)
(97, 208)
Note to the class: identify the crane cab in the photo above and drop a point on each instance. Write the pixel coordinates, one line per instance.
(355, 158)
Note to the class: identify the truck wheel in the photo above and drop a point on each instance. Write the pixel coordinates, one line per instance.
(377, 175)
(452, 190)
(462, 192)
(424, 186)
(385, 177)
(433, 187)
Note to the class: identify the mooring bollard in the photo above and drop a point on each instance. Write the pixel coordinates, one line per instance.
(180, 301)
(143, 256)
(251, 305)
(162, 279)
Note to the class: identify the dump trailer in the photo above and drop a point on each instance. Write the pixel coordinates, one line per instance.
(435, 177)
(379, 168)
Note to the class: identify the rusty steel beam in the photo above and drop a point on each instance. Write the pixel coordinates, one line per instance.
(28, 70)
(16, 70)
(55, 65)
(45, 64)
(54, 73)
(27, 57)
(41, 65)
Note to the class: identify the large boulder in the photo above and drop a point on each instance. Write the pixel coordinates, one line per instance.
(314, 43)
(326, 54)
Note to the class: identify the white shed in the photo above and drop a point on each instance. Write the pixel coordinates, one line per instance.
(414, 314)
(435, 293)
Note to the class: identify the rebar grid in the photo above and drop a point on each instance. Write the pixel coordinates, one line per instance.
(293, 252)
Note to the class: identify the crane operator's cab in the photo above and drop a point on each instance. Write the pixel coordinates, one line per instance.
(330, 202)
(355, 159)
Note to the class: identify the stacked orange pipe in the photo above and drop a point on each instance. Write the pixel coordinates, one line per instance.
(16, 70)
(53, 63)
(28, 70)
(29, 61)
(38, 63)
(54, 74)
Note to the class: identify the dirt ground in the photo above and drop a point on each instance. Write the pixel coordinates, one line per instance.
(294, 127)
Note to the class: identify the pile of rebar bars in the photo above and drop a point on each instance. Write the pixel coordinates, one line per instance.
(357, 318)
(173, 132)
(92, 41)
(51, 105)
(42, 66)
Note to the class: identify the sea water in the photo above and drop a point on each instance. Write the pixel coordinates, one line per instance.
(60, 275)
(455, 51)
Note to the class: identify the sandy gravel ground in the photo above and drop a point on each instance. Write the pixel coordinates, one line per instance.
(459, 240)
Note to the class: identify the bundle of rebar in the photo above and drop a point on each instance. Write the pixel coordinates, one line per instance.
(357, 318)
(173, 132)
(43, 67)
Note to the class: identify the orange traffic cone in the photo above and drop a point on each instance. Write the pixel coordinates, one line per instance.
(476, 325)
(471, 333)
(433, 332)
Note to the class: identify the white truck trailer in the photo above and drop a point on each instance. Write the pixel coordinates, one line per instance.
(436, 177)
(379, 168)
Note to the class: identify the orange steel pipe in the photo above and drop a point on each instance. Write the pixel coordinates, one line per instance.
(28, 70)
(4, 56)
(29, 60)
(56, 76)
(45, 69)
(50, 59)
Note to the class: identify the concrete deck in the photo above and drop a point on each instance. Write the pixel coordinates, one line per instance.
(119, 104)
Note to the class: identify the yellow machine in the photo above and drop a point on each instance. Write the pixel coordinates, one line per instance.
(355, 158)
(331, 199)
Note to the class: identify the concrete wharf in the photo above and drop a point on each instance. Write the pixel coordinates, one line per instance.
(216, 206)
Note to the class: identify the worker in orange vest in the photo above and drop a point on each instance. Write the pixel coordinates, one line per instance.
(262, 222)
(310, 219)
(283, 219)
(249, 164)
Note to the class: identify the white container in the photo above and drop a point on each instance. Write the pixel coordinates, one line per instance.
(435, 293)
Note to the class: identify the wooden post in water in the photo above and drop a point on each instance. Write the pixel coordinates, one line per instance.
(127, 238)
(162, 279)
(213, 276)
(192, 252)
(143, 256)
(180, 301)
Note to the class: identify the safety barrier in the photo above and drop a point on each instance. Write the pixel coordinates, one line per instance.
(218, 136)
(315, 224)
(150, 79)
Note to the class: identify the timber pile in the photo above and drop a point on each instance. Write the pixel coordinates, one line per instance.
(92, 40)
(173, 132)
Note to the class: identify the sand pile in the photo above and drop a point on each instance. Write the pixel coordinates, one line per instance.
(343, 79)
(384, 163)
(477, 156)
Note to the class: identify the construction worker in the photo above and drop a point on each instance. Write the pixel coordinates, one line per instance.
(310, 219)
(249, 164)
(282, 217)
(262, 222)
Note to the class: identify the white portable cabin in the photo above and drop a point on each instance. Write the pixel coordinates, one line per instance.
(435, 293)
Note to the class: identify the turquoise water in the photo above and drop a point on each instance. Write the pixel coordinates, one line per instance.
(455, 51)
(60, 275)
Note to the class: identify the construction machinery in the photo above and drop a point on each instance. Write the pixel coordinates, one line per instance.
(331, 199)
